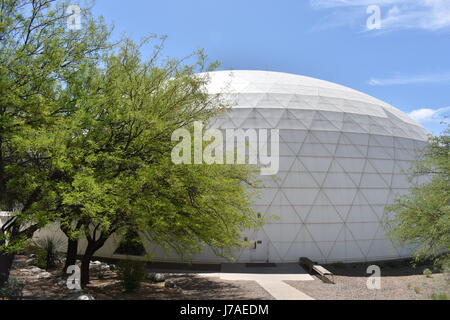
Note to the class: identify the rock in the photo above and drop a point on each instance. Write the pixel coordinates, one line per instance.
(20, 263)
(77, 295)
(170, 284)
(99, 265)
(36, 270)
(27, 294)
(95, 264)
(86, 297)
(45, 275)
(62, 283)
(157, 277)
(31, 261)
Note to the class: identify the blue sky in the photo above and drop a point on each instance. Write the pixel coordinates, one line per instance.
(403, 60)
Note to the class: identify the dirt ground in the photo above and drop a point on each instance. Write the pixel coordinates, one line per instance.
(106, 286)
(398, 282)
(190, 288)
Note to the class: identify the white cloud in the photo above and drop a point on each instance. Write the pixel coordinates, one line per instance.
(431, 115)
(428, 15)
(353, 3)
(411, 79)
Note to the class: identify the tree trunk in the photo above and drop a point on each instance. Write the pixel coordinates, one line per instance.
(91, 248)
(6, 261)
(72, 246)
(71, 254)
(85, 264)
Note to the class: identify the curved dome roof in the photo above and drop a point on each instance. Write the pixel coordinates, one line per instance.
(265, 89)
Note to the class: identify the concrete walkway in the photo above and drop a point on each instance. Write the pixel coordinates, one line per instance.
(270, 278)
(282, 291)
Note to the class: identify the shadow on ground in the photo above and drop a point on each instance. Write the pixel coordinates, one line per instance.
(188, 287)
(397, 268)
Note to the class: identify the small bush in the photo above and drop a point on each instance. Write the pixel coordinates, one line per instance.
(435, 296)
(12, 289)
(47, 251)
(131, 274)
(427, 273)
(131, 244)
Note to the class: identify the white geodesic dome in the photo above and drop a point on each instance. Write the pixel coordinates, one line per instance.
(343, 158)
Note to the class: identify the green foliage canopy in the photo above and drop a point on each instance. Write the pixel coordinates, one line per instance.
(421, 219)
(85, 138)
(39, 56)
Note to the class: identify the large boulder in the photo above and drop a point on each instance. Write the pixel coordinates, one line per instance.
(157, 277)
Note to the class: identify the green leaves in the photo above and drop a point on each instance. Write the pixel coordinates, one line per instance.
(421, 219)
(38, 58)
(85, 137)
(119, 146)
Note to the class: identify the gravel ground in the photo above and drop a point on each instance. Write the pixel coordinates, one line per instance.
(107, 287)
(397, 283)
(191, 287)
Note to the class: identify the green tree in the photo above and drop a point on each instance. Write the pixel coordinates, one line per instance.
(38, 57)
(85, 140)
(115, 154)
(421, 219)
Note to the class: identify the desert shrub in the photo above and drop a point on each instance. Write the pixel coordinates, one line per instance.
(427, 273)
(47, 251)
(419, 219)
(131, 244)
(435, 296)
(131, 274)
(12, 289)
